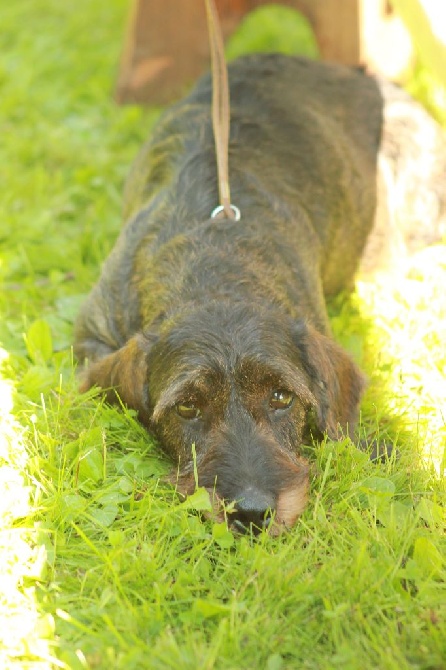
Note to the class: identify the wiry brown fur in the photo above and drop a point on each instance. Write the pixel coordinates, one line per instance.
(225, 316)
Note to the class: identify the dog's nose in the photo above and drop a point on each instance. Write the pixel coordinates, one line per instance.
(253, 509)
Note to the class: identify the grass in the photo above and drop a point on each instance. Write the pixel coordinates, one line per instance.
(100, 564)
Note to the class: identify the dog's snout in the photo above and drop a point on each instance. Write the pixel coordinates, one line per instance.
(253, 509)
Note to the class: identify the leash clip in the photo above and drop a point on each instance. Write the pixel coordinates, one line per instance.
(215, 212)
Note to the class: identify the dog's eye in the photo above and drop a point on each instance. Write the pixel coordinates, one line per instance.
(188, 410)
(281, 399)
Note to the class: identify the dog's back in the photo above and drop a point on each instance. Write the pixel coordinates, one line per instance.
(304, 137)
(303, 150)
(313, 148)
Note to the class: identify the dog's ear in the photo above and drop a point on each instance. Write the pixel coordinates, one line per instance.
(123, 375)
(336, 381)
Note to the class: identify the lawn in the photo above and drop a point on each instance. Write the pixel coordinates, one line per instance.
(101, 565)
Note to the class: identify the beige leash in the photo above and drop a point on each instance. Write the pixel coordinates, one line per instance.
(220, 113)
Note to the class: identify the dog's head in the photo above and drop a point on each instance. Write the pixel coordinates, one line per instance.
(245, 385)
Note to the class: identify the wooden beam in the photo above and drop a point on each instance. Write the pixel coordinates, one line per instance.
(166, 46)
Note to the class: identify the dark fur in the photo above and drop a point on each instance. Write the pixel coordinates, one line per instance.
(222, 313)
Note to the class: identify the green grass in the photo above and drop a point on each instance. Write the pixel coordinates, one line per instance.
(101, 566)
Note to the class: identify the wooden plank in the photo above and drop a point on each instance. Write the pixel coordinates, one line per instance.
(166, 47)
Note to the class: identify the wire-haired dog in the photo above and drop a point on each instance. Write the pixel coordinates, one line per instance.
(215, 330)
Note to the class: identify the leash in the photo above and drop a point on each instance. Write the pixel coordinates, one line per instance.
(220, 114)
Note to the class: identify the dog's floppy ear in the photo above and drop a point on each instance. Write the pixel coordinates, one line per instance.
(336, 381)
(123, 375)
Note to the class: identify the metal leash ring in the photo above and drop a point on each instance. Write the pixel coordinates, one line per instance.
(215, 212)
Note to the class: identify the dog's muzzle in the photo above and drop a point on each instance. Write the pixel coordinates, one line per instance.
(254, 510)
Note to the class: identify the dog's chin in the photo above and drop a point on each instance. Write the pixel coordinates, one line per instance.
(291, 502)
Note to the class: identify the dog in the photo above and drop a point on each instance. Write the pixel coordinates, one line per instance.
(215, 330)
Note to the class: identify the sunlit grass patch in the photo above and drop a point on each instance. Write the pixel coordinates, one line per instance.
(26, 631)
(408, 309)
